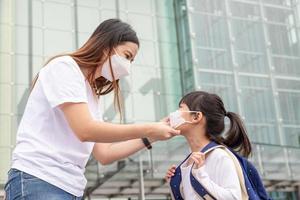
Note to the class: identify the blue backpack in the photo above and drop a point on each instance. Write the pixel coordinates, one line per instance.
(253, 183)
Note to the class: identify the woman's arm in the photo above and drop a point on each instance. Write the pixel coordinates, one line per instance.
(107, 153)
(87, 129)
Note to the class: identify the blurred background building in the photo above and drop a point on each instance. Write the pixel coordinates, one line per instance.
(247, 51)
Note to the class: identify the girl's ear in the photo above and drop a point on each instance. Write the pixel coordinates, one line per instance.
(197, 117)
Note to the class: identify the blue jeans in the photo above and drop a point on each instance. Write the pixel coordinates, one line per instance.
(23, 186)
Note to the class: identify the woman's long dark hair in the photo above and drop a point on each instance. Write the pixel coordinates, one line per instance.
(212, 107)
(108, 35)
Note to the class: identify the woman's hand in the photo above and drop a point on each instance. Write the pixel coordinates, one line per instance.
(170, 173)
(164, 121)
(161, 131)
(198, 158)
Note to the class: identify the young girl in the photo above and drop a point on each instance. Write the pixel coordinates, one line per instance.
(200, 119)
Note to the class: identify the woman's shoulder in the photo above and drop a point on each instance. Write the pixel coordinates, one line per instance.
(62, 64)
(66, 59)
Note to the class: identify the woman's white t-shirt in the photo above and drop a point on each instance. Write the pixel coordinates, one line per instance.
(46, 146)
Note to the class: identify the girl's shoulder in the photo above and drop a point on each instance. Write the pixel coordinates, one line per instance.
(218, 154)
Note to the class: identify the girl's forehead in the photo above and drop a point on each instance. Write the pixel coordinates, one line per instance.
(183, 106)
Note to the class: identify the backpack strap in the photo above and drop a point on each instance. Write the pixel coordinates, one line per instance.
(240, 173)
(202, 191)
(175, 182)
(197, 186)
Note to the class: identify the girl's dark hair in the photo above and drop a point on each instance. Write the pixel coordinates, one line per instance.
(212, 107)
(108, 35)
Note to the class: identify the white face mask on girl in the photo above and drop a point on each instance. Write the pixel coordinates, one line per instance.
(176, 120)
(120, 67)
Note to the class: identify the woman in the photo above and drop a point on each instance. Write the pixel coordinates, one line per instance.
(62, 125)
(200, 119)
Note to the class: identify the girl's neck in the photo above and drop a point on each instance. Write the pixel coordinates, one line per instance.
(197, 140)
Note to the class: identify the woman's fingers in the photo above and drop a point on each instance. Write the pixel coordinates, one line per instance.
(174, 132)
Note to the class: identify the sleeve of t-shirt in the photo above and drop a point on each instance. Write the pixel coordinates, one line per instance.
(62, 82)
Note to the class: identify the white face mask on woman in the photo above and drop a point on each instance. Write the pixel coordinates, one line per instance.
(176, 120)
(120, 67)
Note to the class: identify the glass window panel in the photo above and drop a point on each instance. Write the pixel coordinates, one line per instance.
(292, 136)
(21, 40)
(63, 42)
(210, 31)
(37, 13)
(146, 55)
(282, 42)
(279, 15)
(62, 1)
(38, 41)
(290, 107)
(142, 84)
(108, 14)
(168, 55)
(88, 19)
(135, 6)
(274, 165)
(5, 100)
(60, 19)
(149, 109)
(19, 98)
(83, 37)
(244, 10)
(208, 6)
(252, 63)
(213, 59)
(288, 84)
(5, 32)
(262, 133)
(248, 35)
(21, 70)
(138, 22)
(164, 8)
(5, 161)
(5, 125)
(21, 12)
(37, 63)
(5, 69)
(88, 3)
(169, 82)
(221, 84)
(294, 163)
(279, 2)
(169, 103)
(257, 105)
(104, 4)
(166, 30)
(287, 66)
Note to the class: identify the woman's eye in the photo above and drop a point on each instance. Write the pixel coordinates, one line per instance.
(127, 57)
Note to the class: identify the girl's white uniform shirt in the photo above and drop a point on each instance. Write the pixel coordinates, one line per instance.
(218, 176)
(46, 146)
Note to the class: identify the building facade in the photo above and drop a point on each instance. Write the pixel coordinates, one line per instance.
(247, 51)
